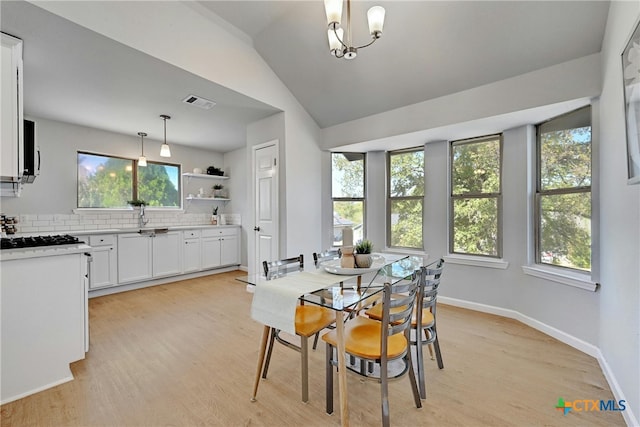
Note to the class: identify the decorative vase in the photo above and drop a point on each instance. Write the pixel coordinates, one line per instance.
(347, 260)
(214, 219)
(363, 260)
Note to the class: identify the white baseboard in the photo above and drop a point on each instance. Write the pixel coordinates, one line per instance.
(561, 336)
(243, 268)
(37, 390)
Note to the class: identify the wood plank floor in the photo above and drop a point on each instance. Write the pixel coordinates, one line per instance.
(184, 354)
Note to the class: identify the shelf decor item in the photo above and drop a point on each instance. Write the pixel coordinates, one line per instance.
(631, 89)
(363, 253)
(212, 170)
(217, 191)
(214, 216)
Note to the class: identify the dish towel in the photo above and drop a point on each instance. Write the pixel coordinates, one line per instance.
(275, 301)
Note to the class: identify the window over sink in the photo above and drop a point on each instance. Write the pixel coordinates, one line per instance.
(110, 182)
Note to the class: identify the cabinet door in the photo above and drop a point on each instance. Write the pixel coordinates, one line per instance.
(191, 255)
(167, 254)
(229, 250)
(134, 257)
(104, 267)
(210, 252)
(11, 160)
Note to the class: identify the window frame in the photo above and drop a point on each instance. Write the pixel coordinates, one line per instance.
(362, 199)
(391, 199)
(474, 195)
(539, 193)
(134, 182)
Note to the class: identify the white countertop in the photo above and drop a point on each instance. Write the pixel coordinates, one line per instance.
(119, 230)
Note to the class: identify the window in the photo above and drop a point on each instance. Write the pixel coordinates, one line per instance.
(347, 192)
(563, 196)
(475, 222)
(110, 182)
(405, 198)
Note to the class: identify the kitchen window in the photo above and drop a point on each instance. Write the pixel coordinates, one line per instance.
(347, 193)
(110, 182)
(476, 201)
(405, 198)
(563, 193)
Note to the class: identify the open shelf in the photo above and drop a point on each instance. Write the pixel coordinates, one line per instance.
(203, 175)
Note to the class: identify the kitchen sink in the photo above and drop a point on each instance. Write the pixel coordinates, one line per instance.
(153, 230)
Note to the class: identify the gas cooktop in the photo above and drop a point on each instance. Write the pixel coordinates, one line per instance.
(36, 241)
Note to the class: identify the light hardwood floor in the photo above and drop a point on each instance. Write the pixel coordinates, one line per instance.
(184, 354)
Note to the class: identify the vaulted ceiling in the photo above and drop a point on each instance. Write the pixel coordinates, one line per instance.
(429, 49)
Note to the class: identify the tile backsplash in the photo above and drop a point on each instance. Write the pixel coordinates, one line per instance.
(105, 220)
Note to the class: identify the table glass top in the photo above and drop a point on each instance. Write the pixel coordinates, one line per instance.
(346, 292)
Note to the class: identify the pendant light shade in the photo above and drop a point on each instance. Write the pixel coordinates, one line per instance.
(165, 151)
(142, 160)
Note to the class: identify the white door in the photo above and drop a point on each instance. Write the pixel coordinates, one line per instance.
(266, 204)
(229, 250)
(134, 257)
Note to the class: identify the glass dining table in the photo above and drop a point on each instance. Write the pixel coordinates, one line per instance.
(344, 291)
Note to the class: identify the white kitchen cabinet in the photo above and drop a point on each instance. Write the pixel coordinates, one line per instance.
(104, 265)
(220, 247)
(135, 257)
(167, 253)
(12, 132)
(191, 251)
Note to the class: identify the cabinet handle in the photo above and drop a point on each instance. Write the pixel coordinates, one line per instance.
(256, 228)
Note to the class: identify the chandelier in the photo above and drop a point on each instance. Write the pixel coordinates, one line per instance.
(339, 47)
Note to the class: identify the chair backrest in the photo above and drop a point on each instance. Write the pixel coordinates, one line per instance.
(328, 255)
(404, 296)
(430, 282)
(283, 266)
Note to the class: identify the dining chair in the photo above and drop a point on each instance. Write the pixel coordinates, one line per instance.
(423, 321)
(324, 256)
(309, 321)
(379, 342)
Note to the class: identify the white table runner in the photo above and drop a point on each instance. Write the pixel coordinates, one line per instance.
(274, 301)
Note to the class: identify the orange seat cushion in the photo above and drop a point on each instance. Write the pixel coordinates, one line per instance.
(362, 339)
(311, 319)
(375, 313)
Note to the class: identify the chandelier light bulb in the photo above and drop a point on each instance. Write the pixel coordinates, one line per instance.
(375, 16)
(333, 9)
(334, 42)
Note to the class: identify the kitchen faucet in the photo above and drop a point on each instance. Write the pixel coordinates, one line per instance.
(142, 221)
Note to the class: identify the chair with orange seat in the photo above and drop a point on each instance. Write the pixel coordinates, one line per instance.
(309, 320)
(423, 321)
(379, 342)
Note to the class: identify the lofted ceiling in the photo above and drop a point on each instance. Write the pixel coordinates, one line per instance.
(429, 49)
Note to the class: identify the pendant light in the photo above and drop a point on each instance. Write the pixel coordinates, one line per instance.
(165, 151)
(142, 160)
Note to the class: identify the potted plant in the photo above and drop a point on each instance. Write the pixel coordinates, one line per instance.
(136, 203)
(217, 190)
(363, 253)
(214, 216)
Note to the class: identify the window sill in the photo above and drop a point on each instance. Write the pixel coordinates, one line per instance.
(477, 261)
(577, 280)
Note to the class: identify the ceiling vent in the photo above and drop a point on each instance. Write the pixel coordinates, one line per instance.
(199, 102)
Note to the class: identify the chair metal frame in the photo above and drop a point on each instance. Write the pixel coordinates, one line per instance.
(393, 322)
(427, 298)
(272, 270)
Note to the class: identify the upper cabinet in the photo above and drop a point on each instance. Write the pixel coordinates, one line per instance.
(11, 145)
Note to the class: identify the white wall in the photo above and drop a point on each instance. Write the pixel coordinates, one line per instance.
(619, 321)
(236, 166)
(571, 80)
(55, 190)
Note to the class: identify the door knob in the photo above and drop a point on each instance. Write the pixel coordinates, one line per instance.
(256, 228)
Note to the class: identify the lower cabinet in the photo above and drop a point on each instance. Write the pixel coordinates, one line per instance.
(220, 247)
(167, 254)
(135, 259)
(191, 251)
(104, 266)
